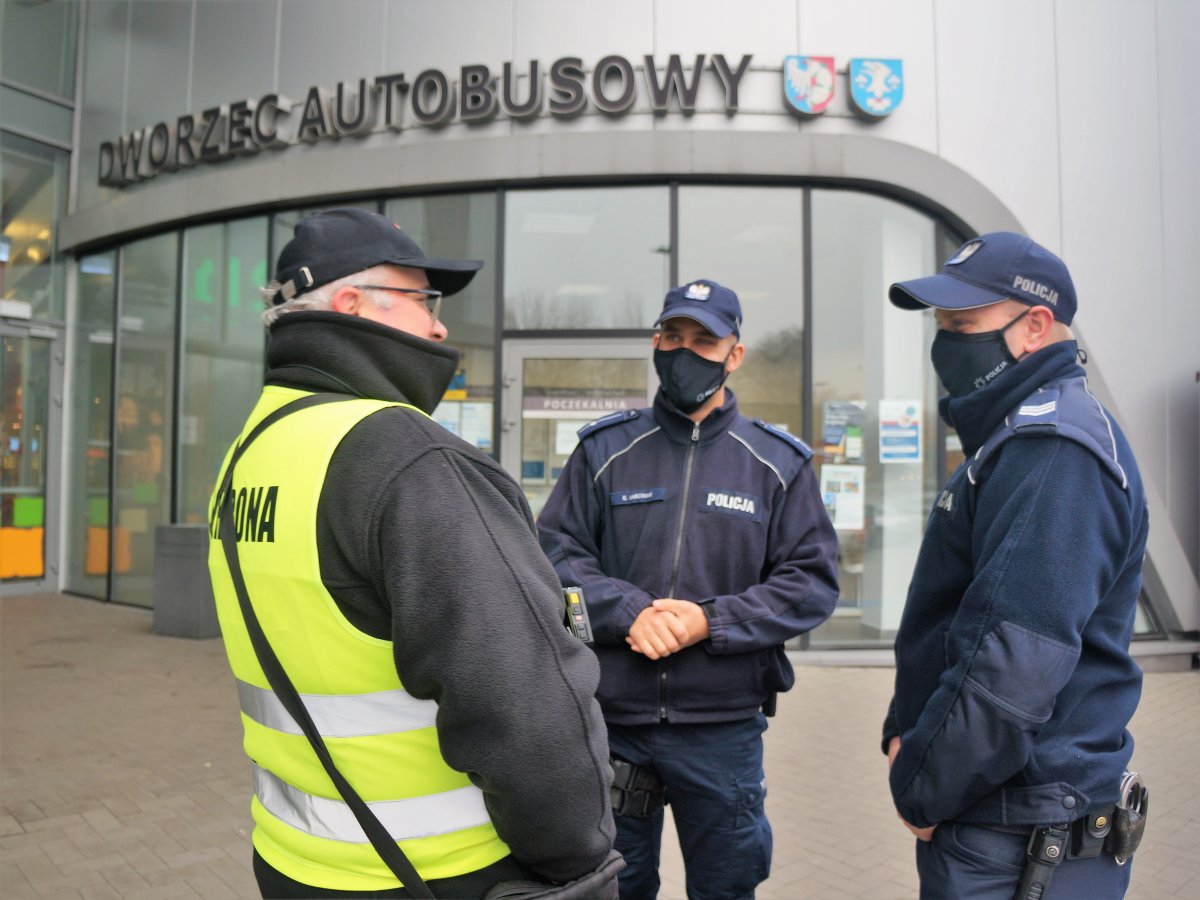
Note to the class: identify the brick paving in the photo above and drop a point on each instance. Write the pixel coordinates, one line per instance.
(121, 773)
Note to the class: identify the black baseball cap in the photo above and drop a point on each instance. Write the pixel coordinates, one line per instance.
(334, 243)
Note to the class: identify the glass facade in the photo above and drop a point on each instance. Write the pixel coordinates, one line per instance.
(874, 403)
(752, 240)
(89, 541)
(34, 183)
(554, 388)
(575, 261)
(38, 49)
(145, 407)
(585, 258)
(37, 90)
(37, 45)
(463, 226)
(221, 366)
(828, 357)
(24, 441)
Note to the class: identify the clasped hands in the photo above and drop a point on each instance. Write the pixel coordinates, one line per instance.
(667, 626)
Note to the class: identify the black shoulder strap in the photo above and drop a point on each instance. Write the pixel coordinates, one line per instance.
(282, 685)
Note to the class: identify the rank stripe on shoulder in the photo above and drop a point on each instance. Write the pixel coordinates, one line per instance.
(1040, 409)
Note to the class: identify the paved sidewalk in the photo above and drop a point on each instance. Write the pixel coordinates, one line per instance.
(121, 773)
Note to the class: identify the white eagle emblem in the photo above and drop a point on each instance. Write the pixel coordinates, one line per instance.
(965, 252)
(808, 83)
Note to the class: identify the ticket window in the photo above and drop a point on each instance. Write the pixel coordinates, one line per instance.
(554, 387)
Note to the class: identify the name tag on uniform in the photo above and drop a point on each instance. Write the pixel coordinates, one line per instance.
(641, 495)
(732, 503)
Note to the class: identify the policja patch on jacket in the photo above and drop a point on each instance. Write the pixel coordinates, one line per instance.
(733, 503)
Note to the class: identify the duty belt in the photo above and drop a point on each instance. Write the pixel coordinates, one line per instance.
(1082, 839)
(1117, 830)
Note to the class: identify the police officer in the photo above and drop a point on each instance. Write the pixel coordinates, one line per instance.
(701, 543)
(1014, 683)
(396, 572)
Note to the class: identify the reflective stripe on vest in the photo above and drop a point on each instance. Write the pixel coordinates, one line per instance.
(341, 716)
(415, 817)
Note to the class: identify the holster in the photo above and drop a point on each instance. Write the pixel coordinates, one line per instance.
(770, 704)
(1047, 849)
(1089, 835)
(1129, 823)
(636, 790)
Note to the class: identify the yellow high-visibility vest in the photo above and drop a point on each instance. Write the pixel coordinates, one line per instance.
(383, 740)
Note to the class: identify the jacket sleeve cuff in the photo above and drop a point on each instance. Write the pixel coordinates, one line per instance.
(716, 643)
(890, 730)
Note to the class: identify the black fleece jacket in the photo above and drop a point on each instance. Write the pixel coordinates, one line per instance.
(429, 543)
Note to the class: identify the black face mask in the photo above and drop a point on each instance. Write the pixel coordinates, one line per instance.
(687, 378)
(967, 362)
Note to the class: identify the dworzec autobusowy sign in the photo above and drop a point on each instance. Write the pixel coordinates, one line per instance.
(564, 90)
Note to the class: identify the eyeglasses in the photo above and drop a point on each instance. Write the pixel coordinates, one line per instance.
(433, 299)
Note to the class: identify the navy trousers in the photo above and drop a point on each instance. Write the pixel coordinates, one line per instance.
(715, 790)
(966, 861)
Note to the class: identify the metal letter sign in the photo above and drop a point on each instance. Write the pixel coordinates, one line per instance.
(808, 83)
(876, 86)
(474, 95)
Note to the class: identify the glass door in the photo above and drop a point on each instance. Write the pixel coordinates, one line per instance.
(30, 395)
(552, 387)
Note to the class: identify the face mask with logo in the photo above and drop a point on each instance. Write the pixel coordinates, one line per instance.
(967, 362)
(687, 378)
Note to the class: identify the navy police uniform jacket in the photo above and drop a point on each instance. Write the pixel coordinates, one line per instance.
(1014, 683)
(725, 513)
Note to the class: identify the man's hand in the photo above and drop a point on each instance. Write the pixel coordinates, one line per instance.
(893, 749)
(691, 614)
(921, 834)
(667, 626)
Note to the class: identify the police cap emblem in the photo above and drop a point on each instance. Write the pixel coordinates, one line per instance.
(965, 252)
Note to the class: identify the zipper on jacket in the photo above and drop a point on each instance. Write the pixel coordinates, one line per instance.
(687, 490)
(662, 690)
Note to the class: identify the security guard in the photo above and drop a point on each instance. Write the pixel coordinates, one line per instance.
(396, 573)
(701, 543)
(1007, 732)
